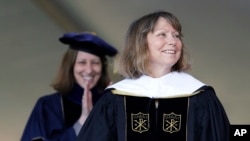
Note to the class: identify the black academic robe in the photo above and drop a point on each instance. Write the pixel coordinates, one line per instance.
(54, 115)
(205, 119)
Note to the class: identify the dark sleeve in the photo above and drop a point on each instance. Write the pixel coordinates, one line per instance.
(101, 123)
(208, 119)
(46, 122)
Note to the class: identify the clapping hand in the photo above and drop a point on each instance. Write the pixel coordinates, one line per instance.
(87, 103)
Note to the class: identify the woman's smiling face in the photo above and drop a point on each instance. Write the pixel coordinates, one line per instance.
(164, 45)
(87, 68)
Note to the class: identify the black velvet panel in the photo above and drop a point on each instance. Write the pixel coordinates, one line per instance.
(148, 122)
(72, 112)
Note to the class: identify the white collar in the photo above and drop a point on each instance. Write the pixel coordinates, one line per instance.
(174, 84)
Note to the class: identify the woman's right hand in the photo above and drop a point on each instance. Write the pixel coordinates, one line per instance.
(87, 104)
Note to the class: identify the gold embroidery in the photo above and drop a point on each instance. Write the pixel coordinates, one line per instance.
(140, 122)
(171, 122)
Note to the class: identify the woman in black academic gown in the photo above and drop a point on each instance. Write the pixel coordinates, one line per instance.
(158, 100)
(81, 79)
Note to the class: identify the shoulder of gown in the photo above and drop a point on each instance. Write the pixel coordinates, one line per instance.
(207, 117)
(46, 119)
